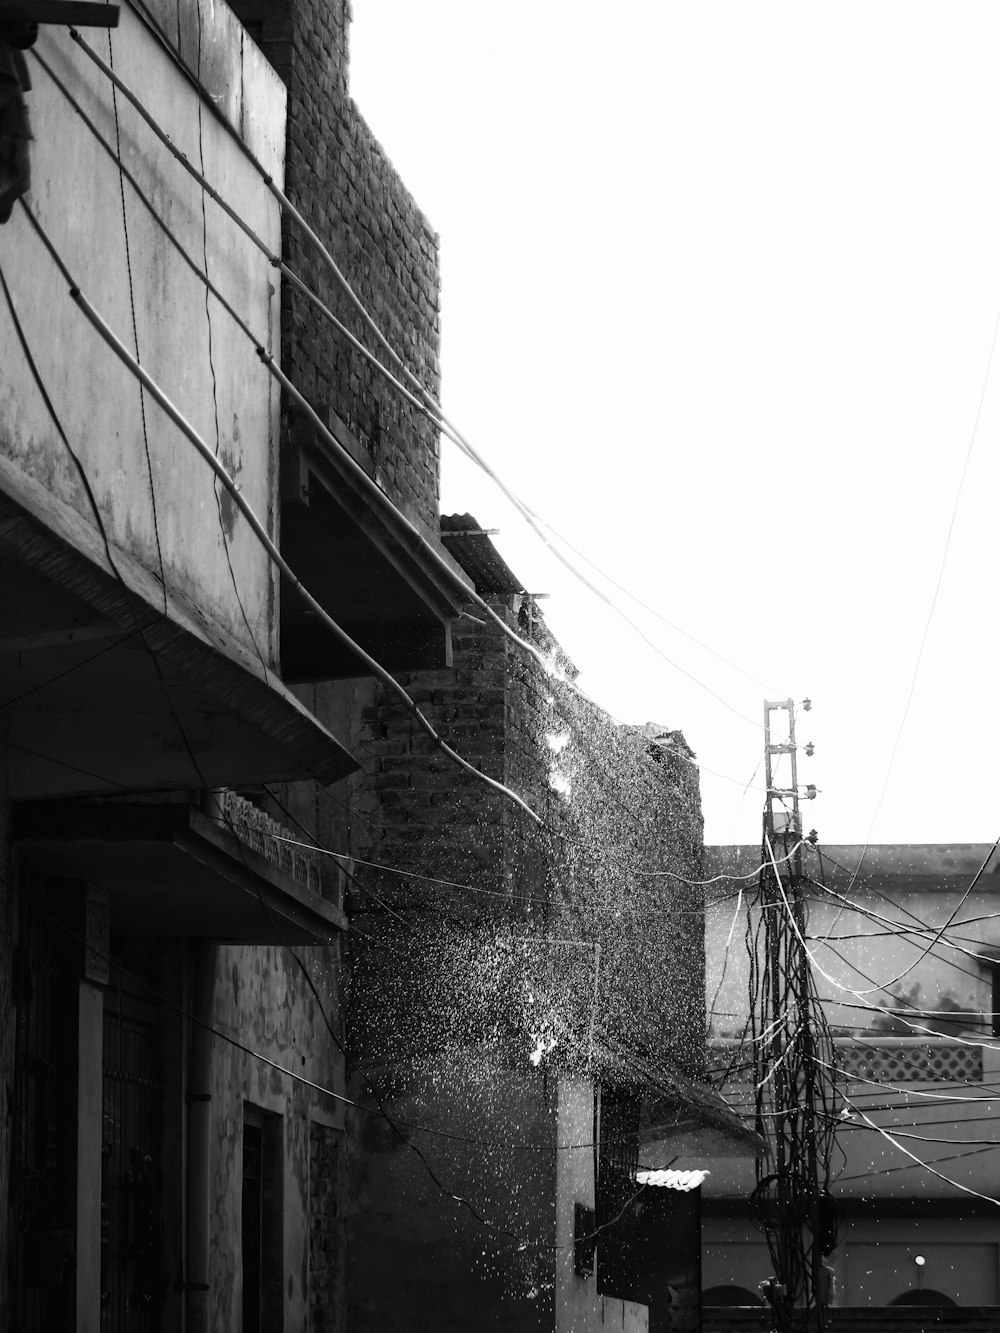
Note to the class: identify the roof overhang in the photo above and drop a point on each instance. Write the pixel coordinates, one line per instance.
(171, 870)
(679, 1116)
(696, 1127)
(391, 587)
(110, 683)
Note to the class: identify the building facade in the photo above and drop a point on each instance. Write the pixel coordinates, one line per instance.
(526, 999)
(219, 536)
(904, 940)
(172, 1139)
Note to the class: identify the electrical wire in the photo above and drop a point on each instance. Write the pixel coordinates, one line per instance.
(941, 930)
(425, 400)
(792, 1093)
(455, 884)
(219, 472)
(202, 275)
(394, 1121)
(937, 589)
(920, 928)
(897, 1133)
(373, 667)
(901, 1147)
(903, 931)
(135, 335)
(658, 615)
(377, 494)
(211, 366)
(912, 1166)
(201, 777)
(860, 994)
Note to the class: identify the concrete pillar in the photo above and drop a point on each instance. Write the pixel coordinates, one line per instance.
(199, 1142)
(6, 1037)
(90, 1106)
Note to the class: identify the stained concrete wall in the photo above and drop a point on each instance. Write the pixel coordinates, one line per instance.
(942, 991)
(485, 942)
(342, 181)
(7, 1024)
(579, 1306)
(620, 834)
(938, 1011)
(874, 1263)
(156, 498)
(942, 996)
(420, 1257)
(264, 1001)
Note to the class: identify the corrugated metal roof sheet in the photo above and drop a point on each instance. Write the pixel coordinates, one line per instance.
(471, 546)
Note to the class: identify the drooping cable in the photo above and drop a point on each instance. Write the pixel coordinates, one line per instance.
(424, 398)
(187, 430)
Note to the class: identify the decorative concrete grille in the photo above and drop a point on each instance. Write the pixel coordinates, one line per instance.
(268, 838)
(881, 1060)
(912, 1062)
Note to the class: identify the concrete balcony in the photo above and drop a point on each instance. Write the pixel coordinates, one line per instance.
(140, 638)
(216, 868)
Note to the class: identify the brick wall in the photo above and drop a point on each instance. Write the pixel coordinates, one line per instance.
(343, 183)
(613, 804)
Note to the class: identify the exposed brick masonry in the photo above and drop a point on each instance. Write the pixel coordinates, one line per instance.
(627, 805)
(341, 180)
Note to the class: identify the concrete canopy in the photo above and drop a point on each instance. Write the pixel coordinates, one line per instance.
(110, 682)
(169, 869)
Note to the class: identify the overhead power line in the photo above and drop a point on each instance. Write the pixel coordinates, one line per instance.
(187, 430)
(424, 400)
(395, 1122)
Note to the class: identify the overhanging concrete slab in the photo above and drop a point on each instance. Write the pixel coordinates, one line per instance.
(110, 682)
(170, 870)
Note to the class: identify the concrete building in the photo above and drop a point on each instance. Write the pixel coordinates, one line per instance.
(905, 940)
(529, 997)
(172, 1135)
(183, 842)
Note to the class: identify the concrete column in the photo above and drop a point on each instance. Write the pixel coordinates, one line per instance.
(199, 1142)
(90, 1108)
(7, 1019)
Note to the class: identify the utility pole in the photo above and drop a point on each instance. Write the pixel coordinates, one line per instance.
(791, 1052)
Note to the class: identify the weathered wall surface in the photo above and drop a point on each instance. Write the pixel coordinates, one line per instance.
(478, 962)
(939, 991)
(579, 1306)
(157, 499)
(263, 1000)
(621, 816)
(874, 1262)
(342, 182)
(7, 1022)
(914, 1050)
(419, 1257)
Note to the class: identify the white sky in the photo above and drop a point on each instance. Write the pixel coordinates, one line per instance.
(720, 284)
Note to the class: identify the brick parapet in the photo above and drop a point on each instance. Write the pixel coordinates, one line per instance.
(630, 806)
(342, 182)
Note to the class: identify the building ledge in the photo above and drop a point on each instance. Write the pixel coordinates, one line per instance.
(109, 682)
(363, 561)
(171, 869)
